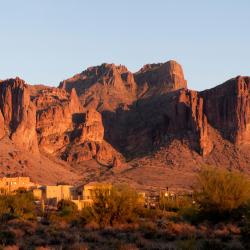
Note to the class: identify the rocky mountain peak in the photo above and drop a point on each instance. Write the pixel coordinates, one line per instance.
(109, 116)
(160, 78)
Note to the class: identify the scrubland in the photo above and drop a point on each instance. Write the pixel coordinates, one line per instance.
(215, 216)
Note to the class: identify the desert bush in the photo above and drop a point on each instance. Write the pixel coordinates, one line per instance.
(182, 208)
(181, 230)
(190, 214)
(149, 230)
(66, 208)
(152, 214)
(220, 192)
(20, 205)
(189, 244)
(6, 211)
(66, 215)
(110, 206)
(245, 230)
(7, 238)
(245, 223)
(175, 204)
(214, 244)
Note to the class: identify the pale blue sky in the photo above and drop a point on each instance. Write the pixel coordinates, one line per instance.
(46, 41)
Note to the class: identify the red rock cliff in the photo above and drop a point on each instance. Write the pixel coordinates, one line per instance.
(104, 87)
(19, 114)
(2, 130)
(56, 117)
(161, 78)
(227, 108)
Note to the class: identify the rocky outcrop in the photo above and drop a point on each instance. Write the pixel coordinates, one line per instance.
(190, 110)
(104, 87)
(67, 130)
(227, 108)
(155, 122)
(57, 115)
(90, 143)
(93, 129)
(2, 132)
(108, 87)
(102, 152)
(161, 78)
(19, 114)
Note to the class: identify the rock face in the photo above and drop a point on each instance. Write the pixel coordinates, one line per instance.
(57, 119)
(161, 78)
(190, 110)
(57, 115)
(152, 123)
(93, 129)
(2, 132)
(90, 143)
(69, 131)
(161, 107)
(227, 107)
(108, 87)
(108, 115)
(104, 87)
(19, 114)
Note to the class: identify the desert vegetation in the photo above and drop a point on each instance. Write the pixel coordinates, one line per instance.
(215, 216)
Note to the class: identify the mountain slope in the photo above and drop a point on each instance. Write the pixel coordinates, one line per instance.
(146, 128)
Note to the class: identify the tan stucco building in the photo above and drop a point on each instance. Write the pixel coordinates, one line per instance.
(90, 189)
(11, 184)
(58, 192)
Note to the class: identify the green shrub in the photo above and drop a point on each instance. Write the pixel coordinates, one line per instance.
(175, 204)
(66, 208)
(221, 192)
(146, 213)
(20, 205)
(190, 214)
(115, 205)
(189, 244)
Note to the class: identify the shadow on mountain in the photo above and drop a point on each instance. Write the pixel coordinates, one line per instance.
(150, 124)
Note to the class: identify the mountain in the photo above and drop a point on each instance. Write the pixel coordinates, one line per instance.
(107, 123)
(104, 87)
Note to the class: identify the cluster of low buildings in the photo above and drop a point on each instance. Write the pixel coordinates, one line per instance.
(11, 184)
(82, 196)
(50, 195)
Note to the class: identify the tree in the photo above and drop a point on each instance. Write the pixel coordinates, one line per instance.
(115, 205)
(18, 205)
(221, 191)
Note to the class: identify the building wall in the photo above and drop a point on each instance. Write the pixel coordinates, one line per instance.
(89, 190)
(82, 203)
(10, 184)
(59, 192)
(37, 193)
